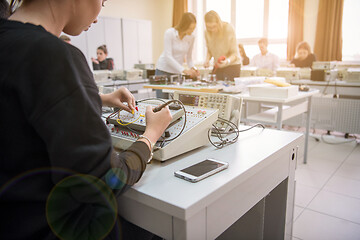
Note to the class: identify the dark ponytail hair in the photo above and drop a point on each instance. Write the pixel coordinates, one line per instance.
(103, 48)
(4, 9)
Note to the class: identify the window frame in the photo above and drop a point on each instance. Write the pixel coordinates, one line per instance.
(349, 58)
(193, 7)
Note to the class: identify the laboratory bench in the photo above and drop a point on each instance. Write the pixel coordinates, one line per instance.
(252, 199)
(335, 108)
(136, 87)
(342, 88)
(278, 110)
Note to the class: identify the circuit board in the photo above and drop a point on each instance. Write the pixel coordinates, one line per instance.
(186, 132)
(137, 121)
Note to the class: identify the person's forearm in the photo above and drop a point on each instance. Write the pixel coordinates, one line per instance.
(233, 58)
(208, 57)
(128, 166)
(104, 99)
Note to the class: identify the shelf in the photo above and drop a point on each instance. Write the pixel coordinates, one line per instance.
(271, 114)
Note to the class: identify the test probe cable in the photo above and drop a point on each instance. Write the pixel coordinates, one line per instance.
(157, 109)
(220, 134)
(354, 139)
(117, 110)
(149, 99)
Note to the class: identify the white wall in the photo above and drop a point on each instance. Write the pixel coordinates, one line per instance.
(160, 13)
(310, 18)
(157, 11)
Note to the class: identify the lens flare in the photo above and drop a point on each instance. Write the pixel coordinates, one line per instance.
(81, 207)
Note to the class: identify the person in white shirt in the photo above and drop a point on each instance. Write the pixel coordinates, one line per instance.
(265, 59)
(178, 44)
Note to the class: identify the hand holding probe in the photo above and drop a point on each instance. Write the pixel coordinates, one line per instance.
(173, 106)
(158, 108)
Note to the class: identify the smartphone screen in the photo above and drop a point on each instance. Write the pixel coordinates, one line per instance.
(202, 168)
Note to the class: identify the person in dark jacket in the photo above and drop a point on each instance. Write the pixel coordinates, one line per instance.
(304, 58)
(244, 58)
(59, 174)
(102, 62)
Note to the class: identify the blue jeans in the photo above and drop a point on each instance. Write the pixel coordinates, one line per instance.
(159, 93)
(159, 72)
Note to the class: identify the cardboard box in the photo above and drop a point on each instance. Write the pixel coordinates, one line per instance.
(272, 91)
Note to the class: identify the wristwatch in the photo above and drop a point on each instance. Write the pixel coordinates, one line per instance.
(151, 146)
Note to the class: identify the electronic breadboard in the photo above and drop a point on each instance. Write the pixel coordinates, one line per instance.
(171, 144)
(137, 120)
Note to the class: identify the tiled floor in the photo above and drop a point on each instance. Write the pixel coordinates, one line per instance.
(327, 197)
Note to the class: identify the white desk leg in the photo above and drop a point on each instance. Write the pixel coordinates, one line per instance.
(279, 116)
(245, 112)
(308, 119)
(193, 228)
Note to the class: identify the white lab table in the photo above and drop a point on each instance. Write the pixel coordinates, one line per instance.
(192, 87)
(136, 87)
(332, 87)
(260, 162)
(286, 108)
(337, 108)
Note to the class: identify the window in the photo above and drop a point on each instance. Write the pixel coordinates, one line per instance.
(223, 8)
(251, 19)
(351, 35)
(246, 12)
(278, 19)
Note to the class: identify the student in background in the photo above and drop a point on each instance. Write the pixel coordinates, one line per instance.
(244, 59)
(59, 174)
(221, 45)
(4, 9)
(303, 58)
(178, 45)
(102, 62)
(65, 38)
(265, 59)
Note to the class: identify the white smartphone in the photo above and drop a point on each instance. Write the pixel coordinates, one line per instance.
(201, 170)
